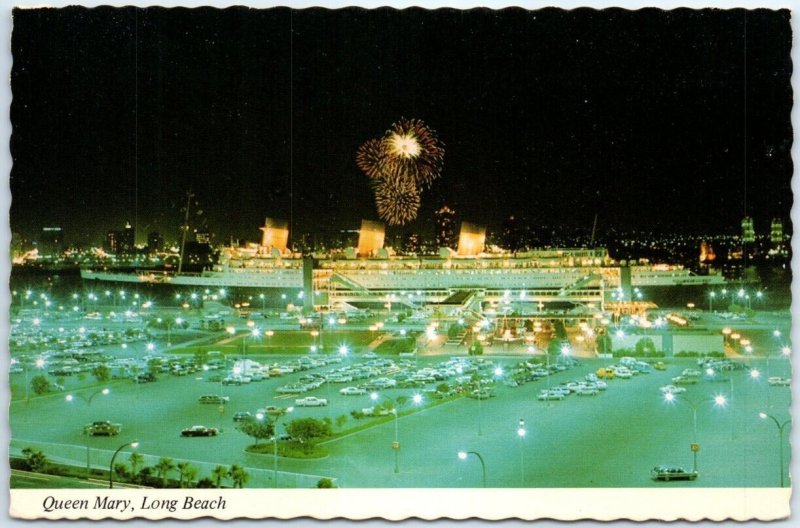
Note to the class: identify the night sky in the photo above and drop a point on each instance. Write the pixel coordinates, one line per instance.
(552, 116)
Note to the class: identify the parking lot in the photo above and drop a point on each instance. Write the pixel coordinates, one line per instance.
(611, 439)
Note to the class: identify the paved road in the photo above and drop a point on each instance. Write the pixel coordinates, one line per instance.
(612, 439)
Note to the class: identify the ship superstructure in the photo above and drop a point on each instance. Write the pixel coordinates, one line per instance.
(374, 273)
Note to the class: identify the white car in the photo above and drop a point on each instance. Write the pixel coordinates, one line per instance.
(586, 390)
(672, 389)
(352, 391)
(775, 380)
(550, 395)
(311, 401)
(623, 372)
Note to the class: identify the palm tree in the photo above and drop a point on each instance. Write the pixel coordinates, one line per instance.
(191, 474)
(183, 469)
(164, 466)
(136, 460)
(218, 474)
(239, 476)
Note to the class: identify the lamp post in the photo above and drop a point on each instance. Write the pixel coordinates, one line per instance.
(711, 296)
(718, 401)
(463, 456)
(417, 399)
(39, 365)
(88, 401)
(780, 427)
(521, 433)
(275, 445)
(133, 445)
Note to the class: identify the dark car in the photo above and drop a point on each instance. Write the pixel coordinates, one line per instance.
(199, 430)
(242, 416)
(104, 428)
(213, 399)
(672, 473)
(145, 378)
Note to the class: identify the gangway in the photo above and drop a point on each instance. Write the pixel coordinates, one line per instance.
(579, 284)
(348, 283)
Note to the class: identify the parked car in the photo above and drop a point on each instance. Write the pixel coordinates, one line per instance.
(550, 395)
(311, 401)
(214, 399)
(684, 380)
(147, 377)
(199, 430)
(667, 473)
(672, 389)
(103, 428)
(660, 365)
(352, 391)
(584, 390)
(271, 409)
(242, 416)
(775, 380)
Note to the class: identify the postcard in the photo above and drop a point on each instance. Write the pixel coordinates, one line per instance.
(369, 262)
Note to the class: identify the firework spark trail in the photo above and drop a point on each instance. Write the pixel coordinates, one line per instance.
(397, 200)
(413, 150)
(370, 158)
(407, 159)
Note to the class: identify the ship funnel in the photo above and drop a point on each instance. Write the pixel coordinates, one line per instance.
(471, 239)
(370, 237)
(275, 235)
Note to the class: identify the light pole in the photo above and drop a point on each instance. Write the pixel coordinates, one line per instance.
(718, 401)
(88, 401)
(133, 445)
(521, 433)
(275, 444)
(780, 427)
(463, 456)
(39, 364)
(417, 399)
(711, 296)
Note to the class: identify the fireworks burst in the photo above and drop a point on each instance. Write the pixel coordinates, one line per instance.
(370, 158)
(407, 158)
(397, 200)
(413, 150)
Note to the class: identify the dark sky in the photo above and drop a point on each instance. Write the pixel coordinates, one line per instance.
(553, 116)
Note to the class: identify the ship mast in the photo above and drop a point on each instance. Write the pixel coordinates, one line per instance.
(185, 229)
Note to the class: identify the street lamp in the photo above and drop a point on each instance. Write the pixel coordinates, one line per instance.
(88, 401)
(39, 365)
(780, 427)
(463, 456)
(718, 401)
(275, 444)
(417, 399)
(711, 296)
(521, 433)
(133, 445)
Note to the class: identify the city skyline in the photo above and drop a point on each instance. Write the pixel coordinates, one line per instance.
(636, 117)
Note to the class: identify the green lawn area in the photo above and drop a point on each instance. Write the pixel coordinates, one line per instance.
(289, 342)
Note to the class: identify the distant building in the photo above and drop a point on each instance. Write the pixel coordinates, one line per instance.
(112, 241)
(776, 231)
(51, 241)
(445, 227)
(122, 242)
(202, 237)
(155, 242)
(748, 232)
(412, 244)
(127, 240)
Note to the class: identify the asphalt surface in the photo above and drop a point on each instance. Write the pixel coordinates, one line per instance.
(609, 440)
